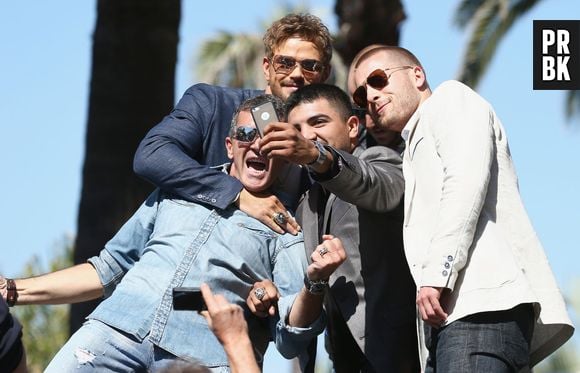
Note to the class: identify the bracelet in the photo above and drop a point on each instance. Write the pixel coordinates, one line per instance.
(12, 294)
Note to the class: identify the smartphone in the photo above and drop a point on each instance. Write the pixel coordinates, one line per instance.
(263, 115)
(185, 298)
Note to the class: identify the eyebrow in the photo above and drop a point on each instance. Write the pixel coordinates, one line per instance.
(318, 116)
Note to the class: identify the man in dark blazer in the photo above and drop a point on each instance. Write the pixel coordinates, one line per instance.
(356, 196)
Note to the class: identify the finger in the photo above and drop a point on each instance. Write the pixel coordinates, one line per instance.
(267, 219)
(422, 311)
(438, 310)
(272, 310)
(208, 297)
(290, 226)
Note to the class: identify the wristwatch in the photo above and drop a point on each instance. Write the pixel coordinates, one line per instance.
(315, 287)
(321, 155)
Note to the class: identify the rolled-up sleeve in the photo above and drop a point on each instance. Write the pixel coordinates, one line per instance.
(125, 249)
(291, 340)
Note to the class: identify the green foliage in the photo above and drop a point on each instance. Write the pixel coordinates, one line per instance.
(488, 22)
(45, 328)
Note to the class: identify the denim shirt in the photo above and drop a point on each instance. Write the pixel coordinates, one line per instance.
(170, 243)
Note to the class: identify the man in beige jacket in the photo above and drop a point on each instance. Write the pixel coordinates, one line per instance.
(485, 290)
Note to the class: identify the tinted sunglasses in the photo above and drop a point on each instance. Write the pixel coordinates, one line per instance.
(245, 134)
(378, 79)
(287, 64)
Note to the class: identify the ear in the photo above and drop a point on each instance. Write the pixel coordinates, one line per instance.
(266, 69)
(420, 78)
(353, 123)
(230, 147)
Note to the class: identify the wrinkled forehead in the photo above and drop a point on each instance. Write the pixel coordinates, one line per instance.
(245, 119)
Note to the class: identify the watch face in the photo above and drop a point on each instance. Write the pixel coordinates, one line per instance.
(315, 287)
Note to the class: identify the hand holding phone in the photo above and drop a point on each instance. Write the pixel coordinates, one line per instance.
(188, 298)
(263, 115)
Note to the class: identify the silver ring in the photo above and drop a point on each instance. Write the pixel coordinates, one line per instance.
(260, 293)
(279, 218)
(323, 250)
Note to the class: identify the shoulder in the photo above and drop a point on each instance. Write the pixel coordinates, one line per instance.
(210, 90)
(379, 152)
(454, 90)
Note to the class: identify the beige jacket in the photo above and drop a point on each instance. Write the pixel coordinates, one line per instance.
(465, 225)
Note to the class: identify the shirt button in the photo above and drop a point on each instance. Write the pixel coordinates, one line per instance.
(444, 273)
(450, 258)
(447, 265)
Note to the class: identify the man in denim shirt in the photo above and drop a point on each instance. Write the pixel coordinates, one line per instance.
(170, 243)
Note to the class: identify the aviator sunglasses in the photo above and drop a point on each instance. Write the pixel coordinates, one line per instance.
(245, 134)
(378, 79)
(286, 64)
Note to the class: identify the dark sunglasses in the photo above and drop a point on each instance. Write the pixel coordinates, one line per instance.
(245, 134)
(378, 79)
(286, 64)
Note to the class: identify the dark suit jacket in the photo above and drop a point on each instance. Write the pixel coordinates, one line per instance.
(372, 293)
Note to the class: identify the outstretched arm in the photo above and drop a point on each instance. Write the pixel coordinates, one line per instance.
(71, 285)
(373, 180)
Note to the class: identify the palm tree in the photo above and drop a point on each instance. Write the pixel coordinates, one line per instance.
(489, 21)
(132, 88)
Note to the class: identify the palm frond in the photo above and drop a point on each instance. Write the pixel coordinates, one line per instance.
(465, 11)
(490, 23)
(573, 104)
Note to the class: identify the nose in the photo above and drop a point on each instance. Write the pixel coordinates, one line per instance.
(308, 132)
(296, 73)
(372, 94)
(255, 145)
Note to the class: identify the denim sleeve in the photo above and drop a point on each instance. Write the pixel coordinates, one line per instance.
(127, 246)
(176, 154)
(288, 274)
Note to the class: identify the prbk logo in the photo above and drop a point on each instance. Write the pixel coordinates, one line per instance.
(556, 54)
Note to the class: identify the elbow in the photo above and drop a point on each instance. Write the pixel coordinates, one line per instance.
(141, 162)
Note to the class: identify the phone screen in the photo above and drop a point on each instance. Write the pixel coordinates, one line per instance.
(185, 298)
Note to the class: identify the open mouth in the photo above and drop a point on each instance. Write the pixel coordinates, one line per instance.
(258, 164)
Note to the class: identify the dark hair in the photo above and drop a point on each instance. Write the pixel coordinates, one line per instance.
(304, 26)
(255, 101)
(336, 97)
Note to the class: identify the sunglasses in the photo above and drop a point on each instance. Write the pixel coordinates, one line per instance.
(245, 134)
(378, 79)
(287, 64)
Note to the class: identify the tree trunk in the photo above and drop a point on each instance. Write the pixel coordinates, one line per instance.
(365, 22)
(132, 88)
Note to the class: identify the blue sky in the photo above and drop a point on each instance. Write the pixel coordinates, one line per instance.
(45, 55)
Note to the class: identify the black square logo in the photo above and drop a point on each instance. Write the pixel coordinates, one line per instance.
(557, 55)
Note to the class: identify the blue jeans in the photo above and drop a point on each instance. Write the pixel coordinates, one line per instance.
(96, 347)
(487, 342)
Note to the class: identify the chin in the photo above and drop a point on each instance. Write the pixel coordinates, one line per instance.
(256, 186)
